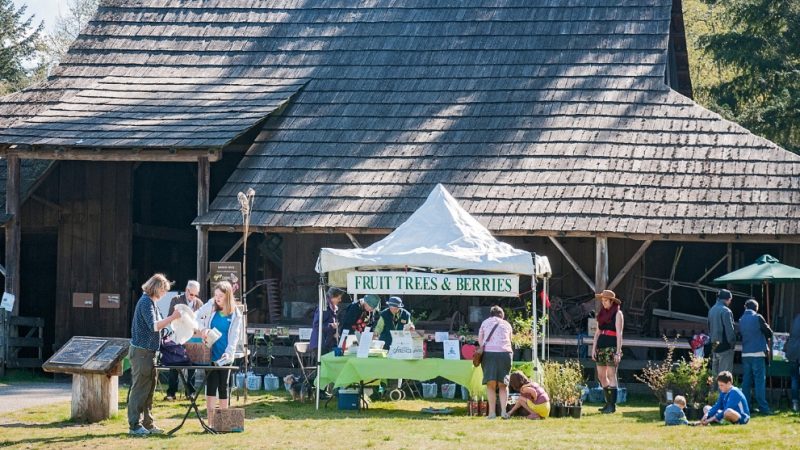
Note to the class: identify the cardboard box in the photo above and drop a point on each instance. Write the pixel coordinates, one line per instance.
(227, 420)
(198, 353)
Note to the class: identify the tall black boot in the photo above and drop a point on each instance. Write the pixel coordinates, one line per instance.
(607, 396)
(612, 405)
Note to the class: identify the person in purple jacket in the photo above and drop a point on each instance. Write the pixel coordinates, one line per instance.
(731, 405)
(329, 325)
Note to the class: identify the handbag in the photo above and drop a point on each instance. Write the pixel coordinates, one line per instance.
(477, 357)
(173, 354)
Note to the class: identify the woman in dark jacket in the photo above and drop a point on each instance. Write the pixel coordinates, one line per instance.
(792, 349)
(333, 297)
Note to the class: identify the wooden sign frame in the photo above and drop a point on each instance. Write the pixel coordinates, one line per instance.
(82, 300)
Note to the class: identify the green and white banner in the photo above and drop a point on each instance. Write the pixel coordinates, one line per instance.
(419, 283)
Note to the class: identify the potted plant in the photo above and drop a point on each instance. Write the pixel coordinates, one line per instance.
(522, 337)
(655, 376)
(563, 382)
(691, 379)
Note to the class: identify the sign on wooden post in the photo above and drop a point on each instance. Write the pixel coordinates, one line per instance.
(96, 364)
(109, 301)
(226, 271)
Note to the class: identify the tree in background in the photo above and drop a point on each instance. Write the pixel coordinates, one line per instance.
(20, 40)
(66, 29)
(755, 46)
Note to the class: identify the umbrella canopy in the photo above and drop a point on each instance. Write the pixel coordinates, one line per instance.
(766, 268)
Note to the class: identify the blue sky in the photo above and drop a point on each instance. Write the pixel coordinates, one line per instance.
(46, 10)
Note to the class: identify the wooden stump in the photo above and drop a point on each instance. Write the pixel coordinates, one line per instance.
(95, 397)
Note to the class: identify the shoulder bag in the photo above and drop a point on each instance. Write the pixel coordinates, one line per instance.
(477, 357)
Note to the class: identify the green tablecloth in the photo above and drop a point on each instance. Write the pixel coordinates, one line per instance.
(347, 370)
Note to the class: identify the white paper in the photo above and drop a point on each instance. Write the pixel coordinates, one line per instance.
(441, 336)
(364, 344)
(452, 349)
(406, 345)
(8, 302)
(305, 334)
(343, 337)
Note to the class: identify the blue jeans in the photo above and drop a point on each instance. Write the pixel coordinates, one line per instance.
(755, 373)
(794, 372)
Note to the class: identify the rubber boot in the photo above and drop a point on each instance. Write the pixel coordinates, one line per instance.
(607, 396)
(612, 405)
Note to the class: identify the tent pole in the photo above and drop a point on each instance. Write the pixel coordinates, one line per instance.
(544, 314)
(319, 340)
(769, 317)
(535, 324)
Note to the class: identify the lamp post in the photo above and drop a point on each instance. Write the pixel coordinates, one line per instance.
(246, 207)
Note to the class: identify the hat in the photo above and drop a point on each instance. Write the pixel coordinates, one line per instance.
(395, 301)
(372, 300)
(609, 295)
(724, 294)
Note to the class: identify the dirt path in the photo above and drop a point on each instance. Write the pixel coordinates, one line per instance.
(17, 396)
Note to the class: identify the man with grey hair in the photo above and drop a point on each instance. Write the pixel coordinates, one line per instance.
(191, 298)
(723, 336)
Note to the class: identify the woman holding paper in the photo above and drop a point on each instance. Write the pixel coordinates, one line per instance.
(495, 338)
(220, 314)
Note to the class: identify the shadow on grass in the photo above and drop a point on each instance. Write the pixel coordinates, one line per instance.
(645, 416)
(58, 424)
(87, 438)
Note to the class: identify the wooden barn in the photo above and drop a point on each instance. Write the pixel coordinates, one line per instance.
(565, 127)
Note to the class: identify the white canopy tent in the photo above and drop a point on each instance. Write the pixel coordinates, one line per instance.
(440, 236)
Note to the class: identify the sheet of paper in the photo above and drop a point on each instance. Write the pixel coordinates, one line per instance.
(364, 344)
(451, 349)
(441, 336)
(305, 334)
(7, 302)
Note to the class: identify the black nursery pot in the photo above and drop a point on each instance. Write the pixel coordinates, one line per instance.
(693, 413)
(575, 412)
(661, 408)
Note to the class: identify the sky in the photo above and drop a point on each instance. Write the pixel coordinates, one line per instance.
(46, 10)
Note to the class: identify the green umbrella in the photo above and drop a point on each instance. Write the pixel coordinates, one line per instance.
(765, 270)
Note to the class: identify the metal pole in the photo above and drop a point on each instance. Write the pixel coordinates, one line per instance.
(246, 206)
(319, 338)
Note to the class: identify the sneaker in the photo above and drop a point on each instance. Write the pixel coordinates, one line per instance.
(141, 431)
(169, 398)
(155, 430)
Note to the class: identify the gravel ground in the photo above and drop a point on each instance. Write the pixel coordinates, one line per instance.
(19, 396)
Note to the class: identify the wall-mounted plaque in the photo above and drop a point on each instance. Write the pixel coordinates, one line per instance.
(109, 300)
(226, 271)
(82, 300)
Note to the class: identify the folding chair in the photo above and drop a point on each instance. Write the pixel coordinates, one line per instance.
(306, 359)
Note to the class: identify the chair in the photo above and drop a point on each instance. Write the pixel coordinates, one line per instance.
(306, 359)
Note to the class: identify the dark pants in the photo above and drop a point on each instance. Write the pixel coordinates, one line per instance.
(217, 383)
(143, 385)
(794, 373)
(755, 376)
(172, 382)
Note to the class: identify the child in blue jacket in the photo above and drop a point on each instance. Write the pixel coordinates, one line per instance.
(732, 404)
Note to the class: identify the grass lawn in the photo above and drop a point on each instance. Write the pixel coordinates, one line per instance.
(273, 421)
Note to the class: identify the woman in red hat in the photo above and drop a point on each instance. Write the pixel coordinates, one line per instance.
(607, 347)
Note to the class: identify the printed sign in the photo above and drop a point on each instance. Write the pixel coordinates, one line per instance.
(109, 300)
(451, 349)
(226, 271)
(7, 302)
(364, 344)
(304, 334)
(82, 300)
(778, 342)
(442, 336)
(406, 345)
(421, 283)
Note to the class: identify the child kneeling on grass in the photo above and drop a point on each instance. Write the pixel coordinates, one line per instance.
(673, 414)
(731, 407)
(532, 397)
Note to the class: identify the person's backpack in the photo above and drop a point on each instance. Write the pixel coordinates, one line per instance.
(173, 354)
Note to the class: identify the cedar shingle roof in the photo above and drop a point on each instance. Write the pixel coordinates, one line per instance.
(540, 116)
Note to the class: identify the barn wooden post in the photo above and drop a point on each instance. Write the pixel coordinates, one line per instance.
(13, 233)
(203, 187)
(600, 266)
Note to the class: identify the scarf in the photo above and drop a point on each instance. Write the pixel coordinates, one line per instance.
(607, 315)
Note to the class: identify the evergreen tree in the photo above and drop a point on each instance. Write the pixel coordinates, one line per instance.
(19, 42)
(758, 43)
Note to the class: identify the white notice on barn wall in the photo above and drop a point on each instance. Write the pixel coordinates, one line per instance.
(8, 302)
